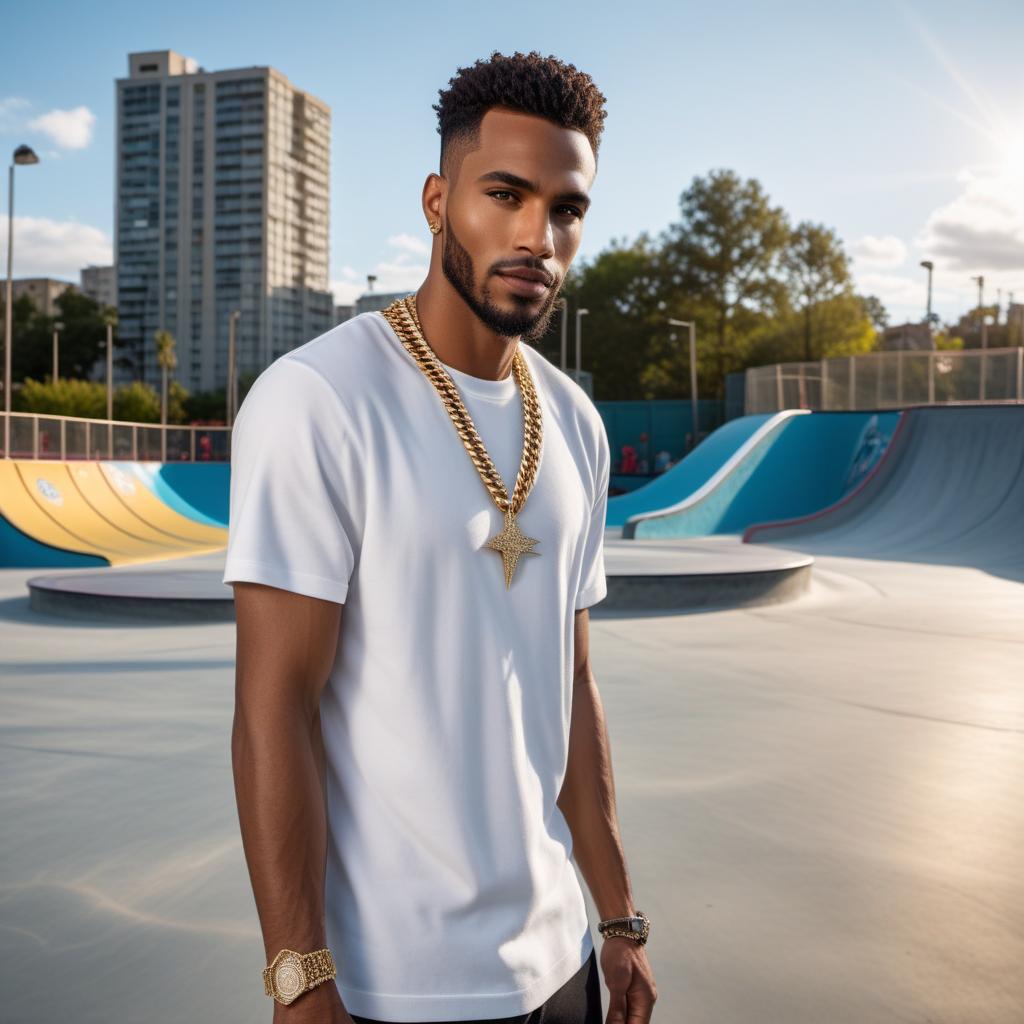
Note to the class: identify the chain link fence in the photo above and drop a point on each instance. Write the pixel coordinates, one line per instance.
(888, 380)
(37, 436)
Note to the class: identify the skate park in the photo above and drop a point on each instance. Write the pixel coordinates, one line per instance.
(810, 658)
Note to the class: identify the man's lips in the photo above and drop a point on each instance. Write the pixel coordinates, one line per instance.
(525, 281)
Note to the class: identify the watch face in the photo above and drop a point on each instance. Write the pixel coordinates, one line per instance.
(289, 979)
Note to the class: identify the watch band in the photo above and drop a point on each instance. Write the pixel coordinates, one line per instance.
(290, 974)
(318, 967)
(636, 927)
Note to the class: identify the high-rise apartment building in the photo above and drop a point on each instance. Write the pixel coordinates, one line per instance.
(222, 204)
(99, 283)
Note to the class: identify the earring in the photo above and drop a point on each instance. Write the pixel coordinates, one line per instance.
(435, 227)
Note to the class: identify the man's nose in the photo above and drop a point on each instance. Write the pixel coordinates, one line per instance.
(534, 230)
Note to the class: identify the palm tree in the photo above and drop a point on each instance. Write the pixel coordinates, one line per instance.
(167, 360)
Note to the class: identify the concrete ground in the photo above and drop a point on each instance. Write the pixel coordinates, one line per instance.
(822, 804)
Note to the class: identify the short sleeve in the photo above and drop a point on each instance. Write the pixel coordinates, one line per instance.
(593, 584)
(289, 525)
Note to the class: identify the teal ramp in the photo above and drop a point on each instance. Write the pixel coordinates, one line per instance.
(194, 489)
(19, 551)
(807, 462)
(689, 473)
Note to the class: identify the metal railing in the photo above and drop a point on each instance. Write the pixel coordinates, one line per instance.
(888, 380)
(41, 436)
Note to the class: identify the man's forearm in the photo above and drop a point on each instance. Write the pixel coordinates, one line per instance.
(277, 764)
(587, 801)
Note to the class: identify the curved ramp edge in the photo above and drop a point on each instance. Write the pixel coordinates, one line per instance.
(688, 474)
(180, 489)
(785, 528)
(743, 461)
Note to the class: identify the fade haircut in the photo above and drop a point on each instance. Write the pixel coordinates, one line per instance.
(527, 82)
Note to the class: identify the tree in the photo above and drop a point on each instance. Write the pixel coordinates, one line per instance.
(167, 360)
(875, 312)
(724, 254)
(619, 288)
(84, 328)
(64, 398)
(817, 269)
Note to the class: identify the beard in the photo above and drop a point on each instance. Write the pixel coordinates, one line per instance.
(457, 266)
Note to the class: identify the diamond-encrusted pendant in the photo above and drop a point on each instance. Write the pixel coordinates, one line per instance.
(511, 542)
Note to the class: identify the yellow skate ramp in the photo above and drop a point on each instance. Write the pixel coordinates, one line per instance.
(134, 494)
(19, 509)
(51, 489)
(98, 492)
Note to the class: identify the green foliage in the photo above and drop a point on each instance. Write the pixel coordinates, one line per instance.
(757, 289)
(65, 398)
(80, 342)
(137, 402)
(946, 341)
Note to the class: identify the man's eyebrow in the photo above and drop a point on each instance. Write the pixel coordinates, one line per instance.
(508, 178)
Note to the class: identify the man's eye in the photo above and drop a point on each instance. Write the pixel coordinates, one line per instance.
(573, 211)
(499, 192)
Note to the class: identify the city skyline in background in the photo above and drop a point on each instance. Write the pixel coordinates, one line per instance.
(900, 128)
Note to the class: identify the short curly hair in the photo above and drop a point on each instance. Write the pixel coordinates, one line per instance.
(528, 82)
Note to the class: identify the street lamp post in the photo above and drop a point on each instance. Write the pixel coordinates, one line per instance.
(929, 266)
(580, 314)
(981, 309)
(58, 326)
(693, 374)
(232, 396)
(22, 155)
(110, 367)
(563, 304)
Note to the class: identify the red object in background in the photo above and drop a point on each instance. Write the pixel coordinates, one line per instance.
(205, 447)
(628, 462)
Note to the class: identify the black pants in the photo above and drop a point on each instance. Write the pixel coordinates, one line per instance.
(578, 1001)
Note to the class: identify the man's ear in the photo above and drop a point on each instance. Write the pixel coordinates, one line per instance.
(435, 191)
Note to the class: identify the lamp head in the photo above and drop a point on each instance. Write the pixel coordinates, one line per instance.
(25, 155)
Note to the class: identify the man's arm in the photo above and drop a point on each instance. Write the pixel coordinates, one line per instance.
(286, 644)
(587, 802)
(587, 799)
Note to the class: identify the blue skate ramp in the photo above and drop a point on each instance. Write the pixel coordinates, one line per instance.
(692, 472)
(949, 491)
(806, 463)
(196, 490)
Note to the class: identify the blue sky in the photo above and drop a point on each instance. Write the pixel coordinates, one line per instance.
(900, 125)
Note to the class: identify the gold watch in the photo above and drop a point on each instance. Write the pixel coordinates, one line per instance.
(290, 973)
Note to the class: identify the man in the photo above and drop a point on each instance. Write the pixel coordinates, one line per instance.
(417, 514)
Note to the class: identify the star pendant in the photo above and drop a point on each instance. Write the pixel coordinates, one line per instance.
(512, 543)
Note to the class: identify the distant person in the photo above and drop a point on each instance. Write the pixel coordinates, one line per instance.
(205, 447)
(627, 464)
(662, 461)
(411, 774)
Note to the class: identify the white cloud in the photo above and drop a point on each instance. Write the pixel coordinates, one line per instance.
(50, 248)
(410, 244)
(395, 272)
(9, 108)
(872, 251)
(69, 129)
(981, 231)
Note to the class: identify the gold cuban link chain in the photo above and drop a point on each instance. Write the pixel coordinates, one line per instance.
(510, 542)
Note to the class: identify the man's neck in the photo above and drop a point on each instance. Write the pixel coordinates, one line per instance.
(457, 336)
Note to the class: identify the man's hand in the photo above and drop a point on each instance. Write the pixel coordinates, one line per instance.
(630, 981)
(321, 1005)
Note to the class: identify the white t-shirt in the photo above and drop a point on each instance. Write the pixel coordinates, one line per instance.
(450, 894)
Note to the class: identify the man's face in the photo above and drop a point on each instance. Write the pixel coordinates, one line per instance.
(513, 219)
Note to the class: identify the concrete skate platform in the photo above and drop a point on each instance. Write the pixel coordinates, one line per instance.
(702, 572)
